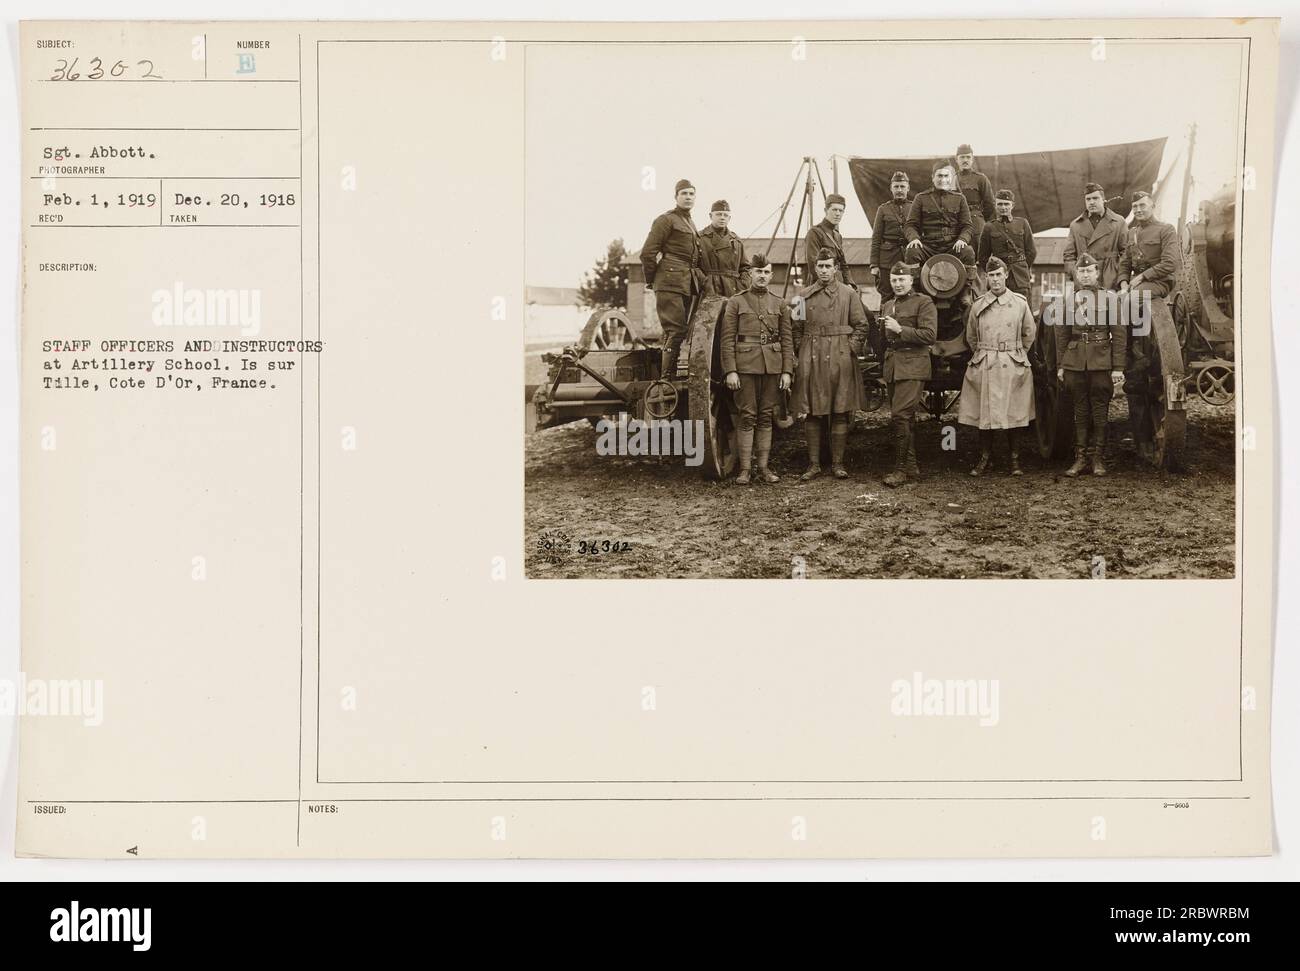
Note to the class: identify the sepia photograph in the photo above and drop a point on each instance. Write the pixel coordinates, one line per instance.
(912, 302)
(832, 314)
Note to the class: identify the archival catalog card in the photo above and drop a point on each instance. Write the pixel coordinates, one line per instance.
(897, 468)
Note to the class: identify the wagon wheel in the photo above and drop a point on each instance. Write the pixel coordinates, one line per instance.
(1182, 322)
(1216, 384)
(609, 329)
(1163, 409)
(708, 402)
(1185, 308)
(1053, 411)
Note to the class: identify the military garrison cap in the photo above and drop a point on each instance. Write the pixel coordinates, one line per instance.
(1006, 194)
(942, 163)
(995, 263)
(1092, 187)
(834, 198)
(900, 269)
(683, 184)
(825, 253)
(759, 261)
(899, 176)
(965, 150)
(1087, 259)
(720, 206)
(1141, 194)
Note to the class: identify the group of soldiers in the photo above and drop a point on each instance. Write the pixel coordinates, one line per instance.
(810, 345)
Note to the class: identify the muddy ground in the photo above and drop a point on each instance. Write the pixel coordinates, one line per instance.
(1145, 523)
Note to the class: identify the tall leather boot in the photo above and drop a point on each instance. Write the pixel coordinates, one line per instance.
(839, 439)
(899, 475)
(1099, 450)
(911, 468)
(986, 452)
(812, 428)
(1098, 456)
(745, 451)
(1013, 446)
(762, 449)
(668, 360)
(1080, 462)
(729, 463)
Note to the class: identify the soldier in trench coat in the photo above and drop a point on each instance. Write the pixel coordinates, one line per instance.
(1098, 230)
(830, 330)
(722, 254)
(998, 389)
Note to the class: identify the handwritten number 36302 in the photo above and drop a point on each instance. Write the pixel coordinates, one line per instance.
(67, 70)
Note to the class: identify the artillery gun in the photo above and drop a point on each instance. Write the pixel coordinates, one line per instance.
(1202, 306)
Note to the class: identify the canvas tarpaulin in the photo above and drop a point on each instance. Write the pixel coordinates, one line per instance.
(1048, 185)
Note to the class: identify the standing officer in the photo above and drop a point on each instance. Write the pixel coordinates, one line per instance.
(911, 326)
(938, 220)
(977, 189)
(826, 235)
(1091, 355)
(829, 381)
(1098, 230)
(670, 258)
(998, 389)
(722, 254)
(1149, 265)
(1011, 240)
(887, 235)
(758, 360)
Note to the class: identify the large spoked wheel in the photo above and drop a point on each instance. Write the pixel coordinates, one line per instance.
(1165, 399)
(1053, 411)
(708, 402)
(609, 329)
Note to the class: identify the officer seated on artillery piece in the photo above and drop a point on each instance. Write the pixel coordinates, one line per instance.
(940, 221)
(1147, 272)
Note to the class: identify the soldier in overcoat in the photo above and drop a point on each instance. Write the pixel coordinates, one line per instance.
(757, 349)
(830, 330)
(1090, 354)
(998, 389)
(911, 324)
(722, 254)
(1098, 230)
(670, 257)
